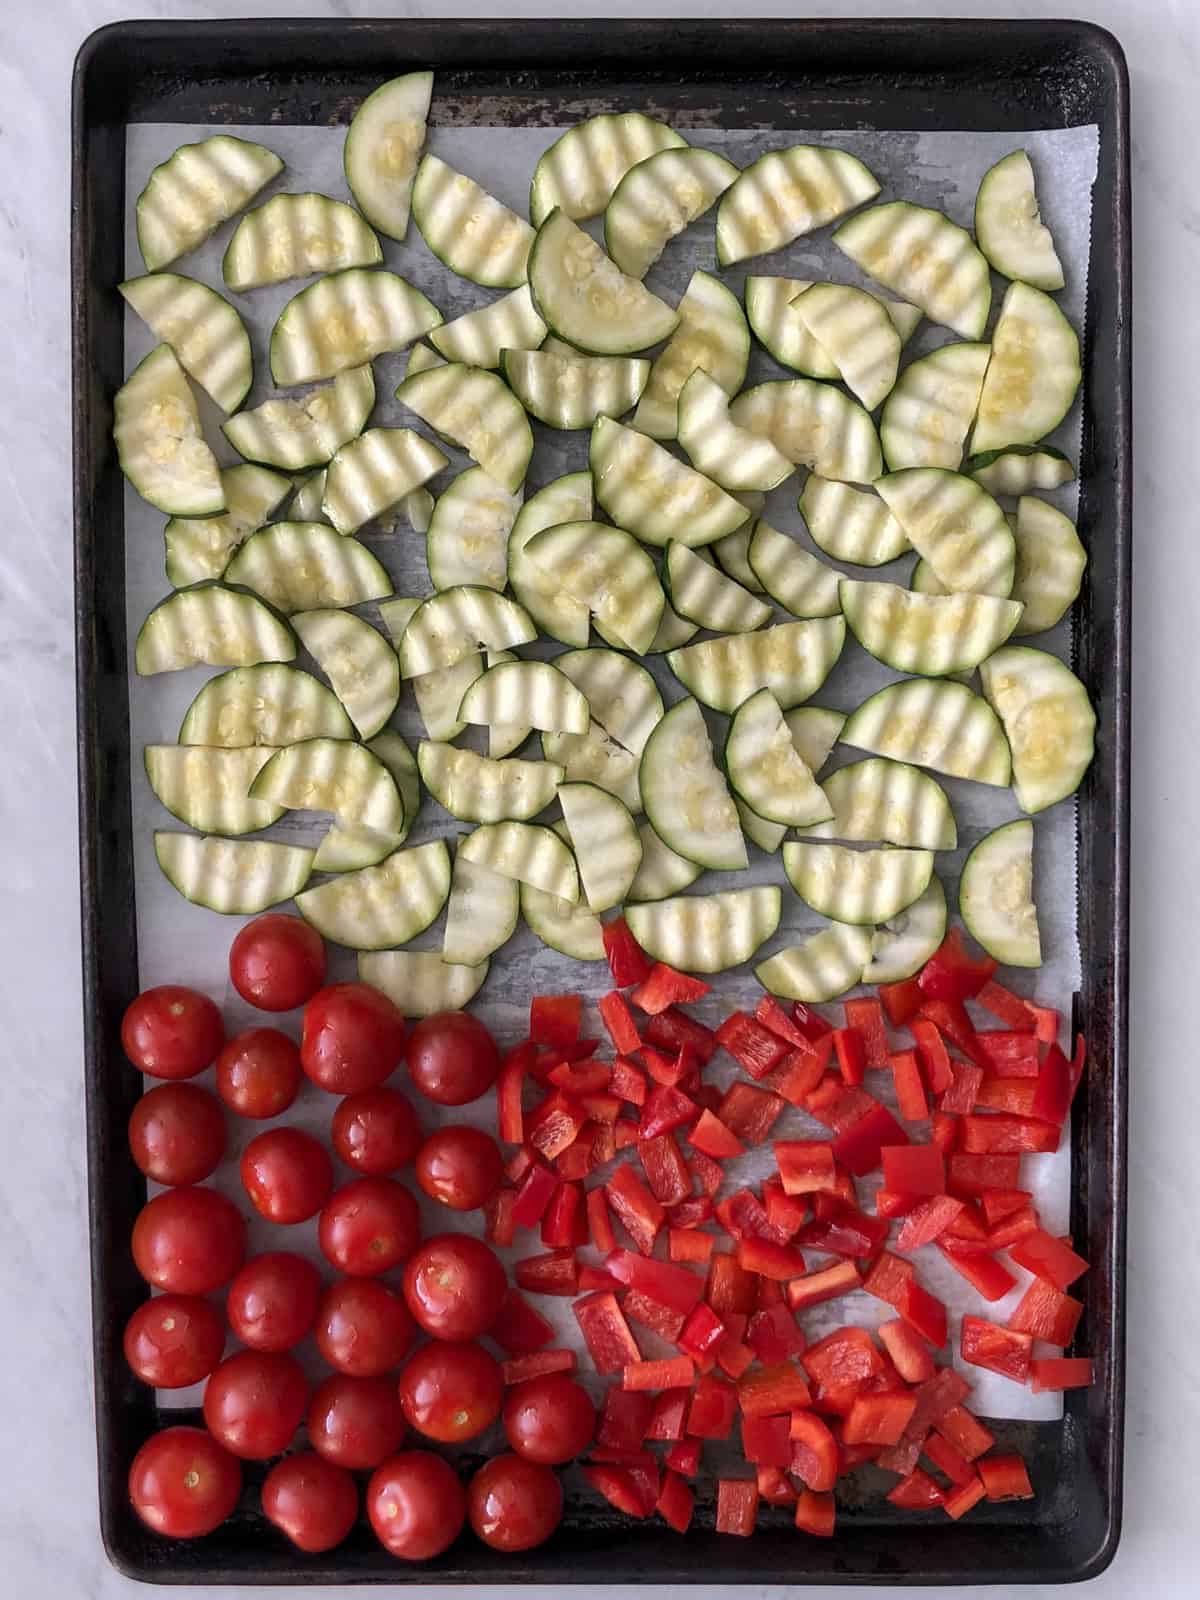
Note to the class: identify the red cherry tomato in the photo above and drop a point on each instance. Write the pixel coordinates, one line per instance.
(416, 1505)
(183, 1484)
(287, 1174)
(277, 962)
(376, 1131)
(451, 1392)
(459, 1167)
(254, 1402)
(177, 1133)
(549, 1419)
(514, 1504)
(369, 1226)
(312, 1501)
(174, 1340)
(189, 1241)
(452, 1058)
(272, 1303)
(363, 1327)
(356, 1422)
(454, 1286)
(172, 1032)
(258, 1073)
(353, 1038)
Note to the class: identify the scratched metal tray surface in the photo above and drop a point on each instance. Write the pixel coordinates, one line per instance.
(871, 75)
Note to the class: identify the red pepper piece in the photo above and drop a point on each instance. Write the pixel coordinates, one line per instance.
(774, 1390)
(879, 1418)
(625, 1133)
(554, 1019)
(691, 1213)
(689, 1244)
(968, 1174)
(805, 1165)
(554, 1272)
(1010, 1009)
(800, 1071)
(851, 1051)
(509, 1081)
(1054, 1373)
(713, 1407)
(771, 1014)
(749, 1112)
(836, 1106)
(925, 1312)
(737, 1506)
(606, 1333)
(765, 1441)
(848, 1355)
(624, 1419)
(665, 1109)
(960, 1097)
(774, 1486)
(982, 1271)
(1009, 1054)
(890, 1204)
(702, 1332)
(901, 1000)
(601, 1108)
(706, 1173)
(500, 1226)
(627, 961)
(910, 1091)
(592, 1278)
(1002, 1350)
(618, 1487)
(816, 1514)
(914, 1169)
(671, 1286)
(916, 1492)
(733, 1356)
(828, 1284)
(1001, 1135)
(1005, 1478)
(1047, 1257)
(676, 1502)
(628, 1081)
(809, 1021)
(774, 1335)
(1047, 1023)
(520, 1328)
(1054, 1089)
(666, 1170)
(584, 1078)
(785, 1212)
(1046, 1313)
(849, 1233)
(964, 1431)
(537, 1364)
(945, 1130)
(780, 1262)
(639, 1213)
(951, 1019)
(888, 1278)
(865, 1017)
(755, 1048)
(663, 987)
(672, 1029)
(673, 1372)
(652, 1314)
(1011, 1095)
(910, 1355)
(666, 1419)
(534, 1195)
(948, 1460)
(996, 1204)
(859, 1147)
(684, 1457)
(618, 1020)
(555, 1124)
(604, 1145)
(1018, 1225)
(576, 1160)
(932, 1054)
(928, 1222)
(564, 1223)
(713, 1138)
(814, 1451)
(961, 1499)
(729, 1286)
(951, 974)
(667, 1070)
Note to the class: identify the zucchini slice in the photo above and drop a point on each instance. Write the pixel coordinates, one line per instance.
(606, 570)
(647, 491)
(929, 413)
(712, 334)
(851, 524)
(532, 692)
(657, 199)
(439, 694)
(300, 566)
(877, 801)
(203, 329)
(582, 168)
(372, 473)
(768, 836)
(707, 932)
(792, 659)
(1034, 374)
(856, 886)
(210, 625)
(418, 982)
(481, 913)
(383, 147)
(347, 846)
(586, 299)
(822, 968)
(268, 705)
(239, 877)
(672, 632)
(1009, 225)
(416, 507)
(855, 331)
(1021, 468)
(421, 357)
(593, 757)
(765, 768)
(504, 737)
(208, 789)
(707, 597)
(345, 320)
(1050, 565)
(731, 456)
(294, 434)
(199, 548)
(995, 895)
(923, 256)
(476, 788)
(294, 236)
(733, 554)
(571, 391)
(566, 499)
(572, 930)
(792, 577)
(468, 229)
(814, 425)
(381, 906)
(621, 695)
(906, 941)
(661, 871)
(477, 411)
(1049, 721)
(934, 635)
(333, 775)
(306, 502)
(956, 526)
(685, 794)
(194, 191)
(458, 623)
(479, 338)
(358, 661)
(467, 541)
(786, 193)
(772, 314)
(160, 445)
(396, 615)
(933, 722)
(814, 730)
(606, 842)
(524, 851)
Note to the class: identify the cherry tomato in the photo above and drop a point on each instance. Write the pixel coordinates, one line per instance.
(254, 1402)
(376, 1131)
(454, 1286)
(189, 1241)
(174, 1340)
(514, 1504)
(416, 1505)
(369, 1226)
(451, 1392)
(183, 1484)
(460, 1167)
(258, 1073)
(312, 1501)
(172, 1032)
(277, 962)
(287, 1174)
(177, 1133)
(549, 1419)
(356, 1422)
(452, 1058)
(272, 1303)
(353, 1038)
(363, 1327)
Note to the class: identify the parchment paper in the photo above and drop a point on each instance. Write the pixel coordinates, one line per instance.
(185, 943)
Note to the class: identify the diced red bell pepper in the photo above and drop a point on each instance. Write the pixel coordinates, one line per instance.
(627, 961)
(1046, 1257)
(666, 1171)
(534, 1195)
(982, 1271)
(575, 1161)
(606, 1333)
(600, 1226)
(911, 1356)
(1002, 1350)
(1054, 1373)
(1001, 1135)
(786, 1212)
(554, 1019)
(851, 1050)
(773, 1390)
(737, 1506)
(1017, 1225)
(706, 1173)
(945, 1129)
(828, 1202)
(765, 1441)
(1047, 1023)
(618, 1487)
(1005, 1477)
(668, 1070)
(809, 1021)
(848, 1355)
(836, 1106)
(676, 1502)
(951, 1019)
(689, 1244)
(663, 987)
(771, 1014)
(963, 1092)
(624, 1418)
(1010, 1055)
(754, 1047)
(1011, 1095)
(925, 1312)
(800, 1071)
(604, 1145)
(805, 1165)
(928, 1222)
(555, 1272)
(879, 1418)
(733, 1356)
(628, 1081)
(901, 1000)
(1046, 1313)
(729, 1287)
(673, 1372)
(828, 1284)
(968, 1223)
(963, 1497)
(774, 1486)
(859, 1148)
(749, 1112)
(693, 1212)
(625, 1133)
(652, 1314)
(910, 1091)
(964, 1431)
(997, 1204)
(618, 1019)
(670, 1030)
(780, 1262)
(815, 1514)
(509, 1082)
(946, 1458)
(537, 1364)
(702, 1332)
(888, 1278)
(671, 1286)
(593, 1278)
(713, 1408)
(902, 1457)
(639, 1213)
(952, 974)
(968, 1174)
(1054, 1088)
(713, 1138)
(774, 1334)
(666, 1419)
(849, 1233)
(500, 1226)
(564, 1224)
(684, 1457)
(554, 1124)
(916, 1492)
(814, 1451)
(1009, 1008)
(932, 1055)
(601, 1107)
(914, 1169)
(582, 1078)
(889, 1204)
(865, 1017)
(519, 1328)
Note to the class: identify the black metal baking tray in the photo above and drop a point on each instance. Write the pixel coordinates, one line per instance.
(913, 74)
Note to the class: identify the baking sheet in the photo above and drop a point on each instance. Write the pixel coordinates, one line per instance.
(180, 942)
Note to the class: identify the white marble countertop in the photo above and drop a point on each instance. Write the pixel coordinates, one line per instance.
(49, 1544)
